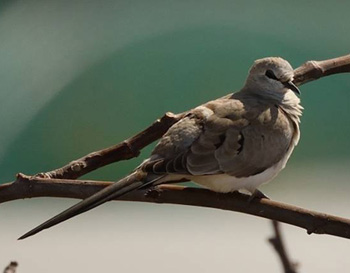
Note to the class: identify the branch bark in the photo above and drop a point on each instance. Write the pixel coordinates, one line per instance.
(313, 70)
(313, 222)
(278, 244)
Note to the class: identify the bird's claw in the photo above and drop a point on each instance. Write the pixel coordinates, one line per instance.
(257, 195)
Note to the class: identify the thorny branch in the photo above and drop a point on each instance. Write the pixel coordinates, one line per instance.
(48, 184)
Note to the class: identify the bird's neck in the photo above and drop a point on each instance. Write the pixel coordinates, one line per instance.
(288, 102)
(291, 105)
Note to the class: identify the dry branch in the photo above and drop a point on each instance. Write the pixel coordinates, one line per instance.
(278, 244)
(131, 147)
(313, 222)
(127, 149)
(313, 70)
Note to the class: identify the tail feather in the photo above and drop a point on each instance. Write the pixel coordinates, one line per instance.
(123, 186)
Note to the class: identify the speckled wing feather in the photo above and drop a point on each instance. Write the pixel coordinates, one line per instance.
(237, 136)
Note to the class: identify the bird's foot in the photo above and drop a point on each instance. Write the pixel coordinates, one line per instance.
(152, 192)
(257, 195)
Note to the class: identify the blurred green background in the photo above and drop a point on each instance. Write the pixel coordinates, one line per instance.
(78, 76)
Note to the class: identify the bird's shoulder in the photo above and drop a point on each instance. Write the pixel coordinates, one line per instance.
(215, 115)
(242, 111)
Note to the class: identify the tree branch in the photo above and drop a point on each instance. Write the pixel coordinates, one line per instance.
(313, 70)
(131, 147)
(313, 222)
(127, 149)
(278, 244)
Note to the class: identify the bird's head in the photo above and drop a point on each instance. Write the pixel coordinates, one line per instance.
(271, 76)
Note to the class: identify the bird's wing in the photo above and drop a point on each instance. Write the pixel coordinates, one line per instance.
(236, 137)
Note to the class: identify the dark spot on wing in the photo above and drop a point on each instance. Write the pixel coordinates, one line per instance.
(221, 141)
(241, 143)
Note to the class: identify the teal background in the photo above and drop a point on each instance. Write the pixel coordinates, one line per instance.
(74, 81)
(78, 76)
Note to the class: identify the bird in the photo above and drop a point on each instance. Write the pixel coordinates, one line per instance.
(234, 143)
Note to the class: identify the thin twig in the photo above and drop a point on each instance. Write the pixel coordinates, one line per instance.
(278, 243)
(313, 222)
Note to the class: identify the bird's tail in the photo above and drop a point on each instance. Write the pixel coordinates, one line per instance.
(123, 186)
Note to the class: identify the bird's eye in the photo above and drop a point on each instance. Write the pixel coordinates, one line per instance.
(271, 75)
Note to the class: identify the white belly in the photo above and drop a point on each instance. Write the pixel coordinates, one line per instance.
(226, 183)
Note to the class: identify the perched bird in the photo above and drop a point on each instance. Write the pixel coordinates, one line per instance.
(237, 142)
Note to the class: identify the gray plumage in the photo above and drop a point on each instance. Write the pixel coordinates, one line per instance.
(236, 142)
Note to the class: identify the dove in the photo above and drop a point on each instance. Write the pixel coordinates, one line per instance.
(234, 143)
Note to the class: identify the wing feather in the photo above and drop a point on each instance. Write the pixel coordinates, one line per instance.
(213, 140)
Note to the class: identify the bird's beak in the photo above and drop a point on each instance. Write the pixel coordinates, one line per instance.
(290, 85)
